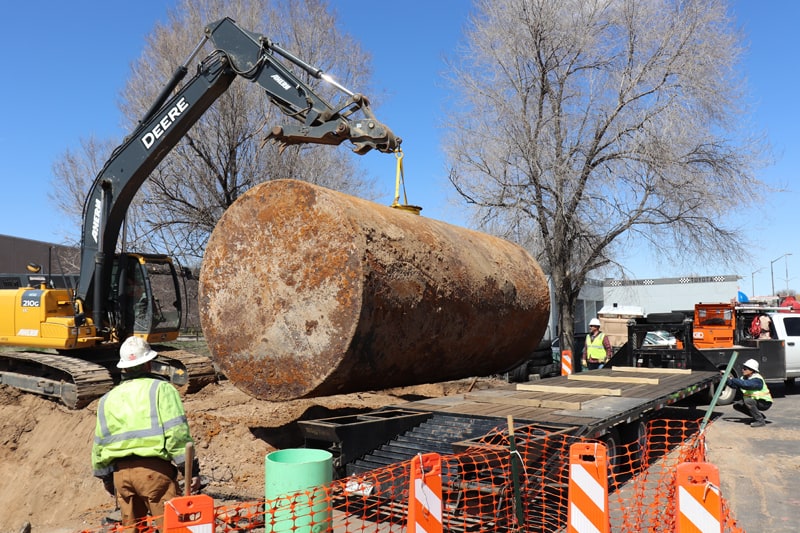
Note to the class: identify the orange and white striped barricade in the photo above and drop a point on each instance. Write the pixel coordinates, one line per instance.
(566, 362)
(425, 494)
(189, 514)
(588, 488)
(699, 498)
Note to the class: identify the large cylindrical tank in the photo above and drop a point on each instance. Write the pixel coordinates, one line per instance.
(305, 291)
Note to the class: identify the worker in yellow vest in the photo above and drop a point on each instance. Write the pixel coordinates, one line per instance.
(140, 438)
(597, 349)
(756, 397)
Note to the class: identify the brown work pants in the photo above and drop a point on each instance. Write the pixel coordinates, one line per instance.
(143, 485)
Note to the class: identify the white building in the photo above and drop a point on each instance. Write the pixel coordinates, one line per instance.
(663, 295)
(654, 295)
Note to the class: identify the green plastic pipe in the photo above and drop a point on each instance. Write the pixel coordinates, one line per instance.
(294, 489)
(720, 388)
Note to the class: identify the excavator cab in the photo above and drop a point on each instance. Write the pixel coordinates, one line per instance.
(148, 297)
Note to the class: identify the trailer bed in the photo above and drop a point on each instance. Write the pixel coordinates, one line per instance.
(588, 404)
(596, 399)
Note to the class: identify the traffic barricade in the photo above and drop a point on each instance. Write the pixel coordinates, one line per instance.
(587, 506)
(425, 494)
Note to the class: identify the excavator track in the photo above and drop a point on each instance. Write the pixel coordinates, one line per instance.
(75, 382)
(188, 371)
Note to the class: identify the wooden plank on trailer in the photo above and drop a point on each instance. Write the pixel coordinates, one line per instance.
(591, 376)
(475, 409)
(492, 392)
(525, 402)
(485, 409)
(646, 370)
(568, 390)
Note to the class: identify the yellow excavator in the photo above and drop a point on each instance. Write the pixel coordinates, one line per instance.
(124, 294)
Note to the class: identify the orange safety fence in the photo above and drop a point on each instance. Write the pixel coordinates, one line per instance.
(478, 489)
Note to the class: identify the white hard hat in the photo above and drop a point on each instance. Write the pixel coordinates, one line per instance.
(135, 351)
(594, 322)
(752, 364)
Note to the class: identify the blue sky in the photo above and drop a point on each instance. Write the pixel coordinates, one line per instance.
(66, 63)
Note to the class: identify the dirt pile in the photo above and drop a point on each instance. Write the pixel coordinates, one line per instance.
(45, 448)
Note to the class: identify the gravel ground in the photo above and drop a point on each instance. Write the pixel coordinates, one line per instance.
(760, 467)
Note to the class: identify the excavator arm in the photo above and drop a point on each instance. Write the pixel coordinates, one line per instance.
(252, 56)
(237, 53)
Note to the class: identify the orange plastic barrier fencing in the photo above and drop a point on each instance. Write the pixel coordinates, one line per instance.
(477, 493)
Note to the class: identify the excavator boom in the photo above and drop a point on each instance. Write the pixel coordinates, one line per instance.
(237, 53)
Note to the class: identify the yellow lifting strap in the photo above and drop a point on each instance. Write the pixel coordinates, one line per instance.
(400, 180)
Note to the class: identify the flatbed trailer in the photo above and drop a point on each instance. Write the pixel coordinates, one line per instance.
(592, 402)
(610, 404)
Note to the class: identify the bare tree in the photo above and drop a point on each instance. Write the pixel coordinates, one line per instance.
(222, 156)
(74, 171)
(586, 125)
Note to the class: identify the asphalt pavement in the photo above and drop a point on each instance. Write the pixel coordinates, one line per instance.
(760, 467)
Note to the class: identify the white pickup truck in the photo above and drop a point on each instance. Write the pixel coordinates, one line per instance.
(779, 357)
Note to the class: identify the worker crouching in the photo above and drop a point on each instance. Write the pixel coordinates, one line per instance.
(756, 397)
(140, 438)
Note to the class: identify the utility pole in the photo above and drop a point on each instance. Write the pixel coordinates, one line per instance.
(753, 280)
(772, 273)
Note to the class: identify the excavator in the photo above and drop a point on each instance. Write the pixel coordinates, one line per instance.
(65, 339)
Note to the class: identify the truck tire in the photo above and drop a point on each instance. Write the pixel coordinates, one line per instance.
(727, 397)
(613, 451)
(634, 436)
(518, 374)
(674, 317)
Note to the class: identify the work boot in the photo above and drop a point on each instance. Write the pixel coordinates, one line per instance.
(758, 424)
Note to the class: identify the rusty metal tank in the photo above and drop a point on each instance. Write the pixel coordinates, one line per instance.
(305, 292)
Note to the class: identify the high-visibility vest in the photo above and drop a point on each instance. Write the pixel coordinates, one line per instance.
(758, 394)
(595, 351)
(141, 417)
